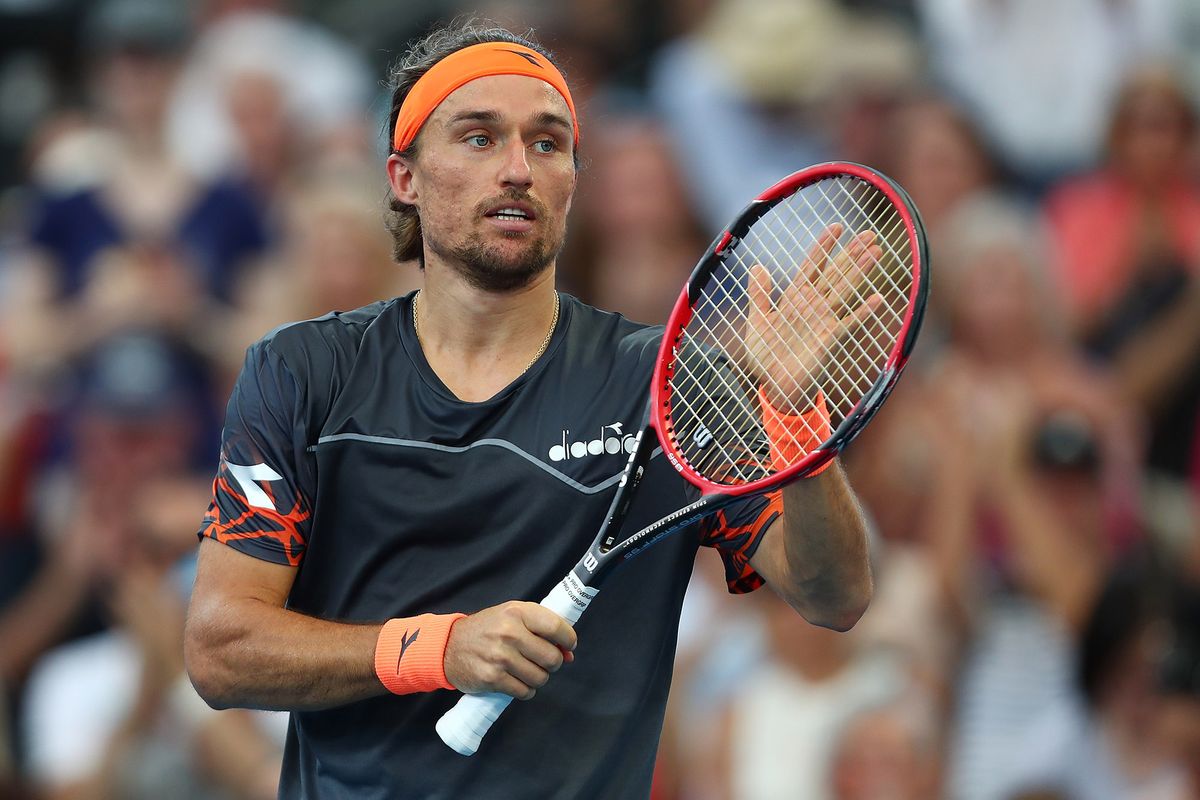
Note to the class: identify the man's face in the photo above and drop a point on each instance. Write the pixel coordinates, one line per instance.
(493, 180)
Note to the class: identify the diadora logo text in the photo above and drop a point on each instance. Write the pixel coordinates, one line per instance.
(610, 441)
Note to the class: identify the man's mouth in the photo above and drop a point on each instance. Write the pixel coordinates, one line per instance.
(514, 212)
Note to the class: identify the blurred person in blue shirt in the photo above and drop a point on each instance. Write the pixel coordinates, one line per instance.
(109, 180)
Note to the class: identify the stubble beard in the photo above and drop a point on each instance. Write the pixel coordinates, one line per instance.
(488, 268)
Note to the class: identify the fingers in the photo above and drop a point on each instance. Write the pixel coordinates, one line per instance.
(541, 653)
(513, 687)
(548, 625)
(511, 648)
(852, 264)
(530, 676)
(759, 289)
(819, 253)
(827, 271)
(859, 317)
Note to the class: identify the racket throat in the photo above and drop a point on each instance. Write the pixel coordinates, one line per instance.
(635, 469)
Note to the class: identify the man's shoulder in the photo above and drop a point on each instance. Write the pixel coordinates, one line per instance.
(629, 338)
(338, 333)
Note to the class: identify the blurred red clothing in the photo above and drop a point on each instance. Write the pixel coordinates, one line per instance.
(1098, 225)
(24, 451)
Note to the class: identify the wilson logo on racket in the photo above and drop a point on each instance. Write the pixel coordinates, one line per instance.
(702, 438)
(610, 441)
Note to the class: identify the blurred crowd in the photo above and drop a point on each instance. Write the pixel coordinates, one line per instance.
(176, 179)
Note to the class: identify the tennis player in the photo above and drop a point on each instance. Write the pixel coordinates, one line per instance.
(398, 481)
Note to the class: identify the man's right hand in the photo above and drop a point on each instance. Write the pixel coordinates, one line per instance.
(511, 648)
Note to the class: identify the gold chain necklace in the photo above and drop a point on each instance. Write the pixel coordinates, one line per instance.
(536, 356)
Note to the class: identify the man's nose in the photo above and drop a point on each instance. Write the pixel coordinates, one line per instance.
(515, 169)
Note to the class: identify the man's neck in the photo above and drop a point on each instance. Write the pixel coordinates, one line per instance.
(479, 341)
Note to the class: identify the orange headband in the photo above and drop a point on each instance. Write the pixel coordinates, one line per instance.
(464, 66)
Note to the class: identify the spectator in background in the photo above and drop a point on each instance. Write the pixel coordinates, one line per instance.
(138, 416)
(132, 191)
(761, 88)
(334, 256)
(1110, 740)
(934, 450)
(910, 615)
(876, 69)
(718, 644)
(118, 230)
(1043, 493)
(942, 161)
(1038, 77)
(120, 561)
(939, 157)
(778, 728)
(264, 128)
(318, 83)
(635, 237)
(1127, 242)
(886, 753)
(741, 109)
(1030, 495)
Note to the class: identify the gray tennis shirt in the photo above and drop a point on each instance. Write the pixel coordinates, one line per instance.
(344, 454)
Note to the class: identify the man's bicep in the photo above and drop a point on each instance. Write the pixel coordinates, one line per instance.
(768, 559)
(224, 574)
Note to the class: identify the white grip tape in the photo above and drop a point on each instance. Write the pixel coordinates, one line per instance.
(569, 598)
(463, 727)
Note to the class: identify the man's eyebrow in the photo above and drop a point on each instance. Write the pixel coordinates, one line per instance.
(474, 116)
(548, 118)
(543, 119)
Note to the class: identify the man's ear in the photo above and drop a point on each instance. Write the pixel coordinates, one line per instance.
(400, 176)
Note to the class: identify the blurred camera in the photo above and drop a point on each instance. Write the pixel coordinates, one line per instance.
(1065, 440)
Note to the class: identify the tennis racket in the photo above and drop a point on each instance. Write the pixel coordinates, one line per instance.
(815, 294)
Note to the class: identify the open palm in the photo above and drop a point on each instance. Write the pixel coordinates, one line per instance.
(789, 340)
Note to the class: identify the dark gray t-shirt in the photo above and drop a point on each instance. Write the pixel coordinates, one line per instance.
(345, 455)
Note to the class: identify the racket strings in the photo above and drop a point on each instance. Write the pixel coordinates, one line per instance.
(883, 236)
(796, 246)
(715, 412)
(894, 294)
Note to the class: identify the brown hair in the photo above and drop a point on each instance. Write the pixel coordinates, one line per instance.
(402, 220)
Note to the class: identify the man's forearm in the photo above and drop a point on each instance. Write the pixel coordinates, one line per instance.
(252, 654)
(821, 559)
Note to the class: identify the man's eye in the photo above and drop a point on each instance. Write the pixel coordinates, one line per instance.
(545, 146)
(479, 140)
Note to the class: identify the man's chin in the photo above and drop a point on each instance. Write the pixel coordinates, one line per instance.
(502, 267)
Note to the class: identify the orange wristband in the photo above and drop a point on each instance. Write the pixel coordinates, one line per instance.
(410, 653)
(793, 436)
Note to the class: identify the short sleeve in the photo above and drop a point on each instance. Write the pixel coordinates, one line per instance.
(263, 490)
(736, 532)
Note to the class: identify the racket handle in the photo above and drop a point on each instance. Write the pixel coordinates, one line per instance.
(463, 727)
